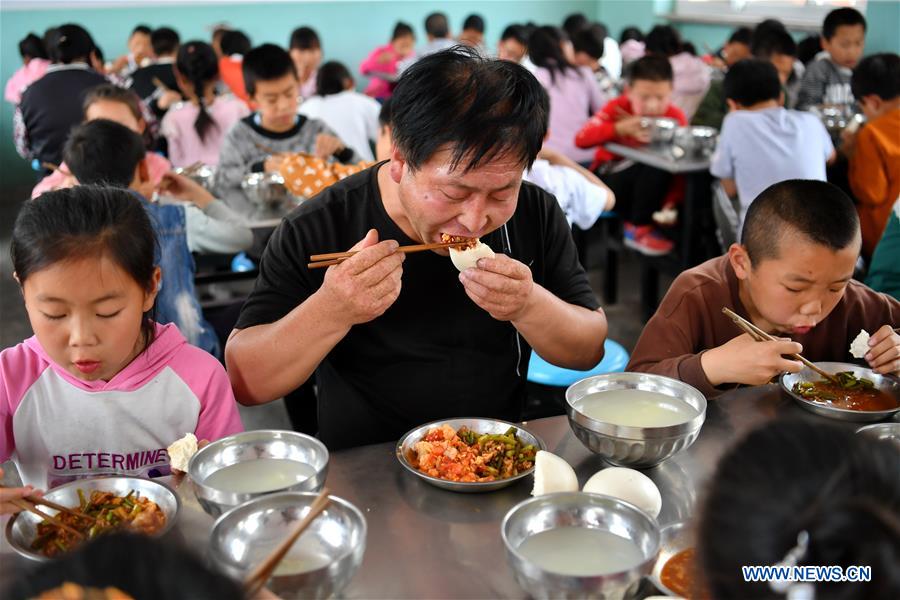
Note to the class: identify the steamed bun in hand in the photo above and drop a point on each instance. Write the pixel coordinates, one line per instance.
(181, 451)
(466, 258)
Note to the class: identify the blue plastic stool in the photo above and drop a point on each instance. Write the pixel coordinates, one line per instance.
(615, 358)
(241, 263)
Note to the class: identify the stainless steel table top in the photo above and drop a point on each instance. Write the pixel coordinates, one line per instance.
(425, 542)
(659, 156)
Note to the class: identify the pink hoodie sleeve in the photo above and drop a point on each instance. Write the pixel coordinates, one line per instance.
(371, 62)
(48, 183)
(207, 379)
(19, 369)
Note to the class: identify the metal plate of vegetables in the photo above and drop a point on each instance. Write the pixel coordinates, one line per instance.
(859, 395)
(469, 454)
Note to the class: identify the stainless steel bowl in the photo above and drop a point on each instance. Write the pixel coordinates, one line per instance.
(268, 190)
(578, 509)
(662, 129)
(406, 452)
(22, 528)
(882, 431)
(672, 539)
(886, 383)
(319, 565)
(837, 117)
(696, 141)
(253, 445)
(637, 447)
(204, 175)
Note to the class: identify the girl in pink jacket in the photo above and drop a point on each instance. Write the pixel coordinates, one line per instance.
(381, 65)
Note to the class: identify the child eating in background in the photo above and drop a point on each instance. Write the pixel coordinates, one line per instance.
(108, 153)
(100, 388)
(827, 79)
(874, 151)
(761, 141)
(306, 52)
(256, 143)
(639, 189)
(233, 45)
(34, 65)
(111, 102)
(802, 493)
(791, 275)
(194, 130)
(381, 65)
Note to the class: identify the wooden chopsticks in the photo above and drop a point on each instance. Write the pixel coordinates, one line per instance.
(761, 336)
(263, 571)
(30, 507)
(334, 258)
(75, 513)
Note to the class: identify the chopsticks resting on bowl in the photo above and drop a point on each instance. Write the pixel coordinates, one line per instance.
(75, 513)
(761, 336)
(30, 507)
(263, 571)
(191, 168)
(326, 260)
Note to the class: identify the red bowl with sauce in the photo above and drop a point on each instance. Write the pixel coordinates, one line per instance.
(875, 407)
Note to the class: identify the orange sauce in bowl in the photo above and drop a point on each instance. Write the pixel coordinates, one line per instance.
(678, 573)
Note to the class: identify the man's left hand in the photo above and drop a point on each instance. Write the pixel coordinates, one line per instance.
(501, 285)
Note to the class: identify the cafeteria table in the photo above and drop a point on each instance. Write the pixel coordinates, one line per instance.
(425, 542)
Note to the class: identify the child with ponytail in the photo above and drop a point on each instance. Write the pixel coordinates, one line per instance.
(194, 129)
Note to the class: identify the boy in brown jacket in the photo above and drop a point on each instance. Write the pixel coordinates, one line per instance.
(791, 277)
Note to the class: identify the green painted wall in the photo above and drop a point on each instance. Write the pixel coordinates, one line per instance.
(349, 30)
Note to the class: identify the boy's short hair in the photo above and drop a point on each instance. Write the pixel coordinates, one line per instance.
(664, 40)
(331, 78)
(103, 152)
(574, 23)
(774, 41)
(840, 17)
(266, 63)
(652, 67)
(164, 40)
(514, 32)
(741, 35)
(402, 29)
(436, 25)
(32, 46)
(474, 23)
(808, 47)
(113, 93)
(878, 74)
(235, 41)
(631, 33)
(384, 116)
(751, 81)
(816, 209)
(590, 42)
(145, 29)
(304, 38)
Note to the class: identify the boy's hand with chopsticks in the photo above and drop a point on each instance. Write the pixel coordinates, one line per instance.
(8, 494)
(365, 285)
(884, 351)
(746, 361)
(327, 145)
(185, 188)
(501, 285)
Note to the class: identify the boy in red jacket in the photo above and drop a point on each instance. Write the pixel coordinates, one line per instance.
(640, 189)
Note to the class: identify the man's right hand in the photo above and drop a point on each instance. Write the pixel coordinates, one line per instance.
(744, 360)
(364, 286)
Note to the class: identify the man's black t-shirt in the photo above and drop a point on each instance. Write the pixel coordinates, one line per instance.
(434, 353)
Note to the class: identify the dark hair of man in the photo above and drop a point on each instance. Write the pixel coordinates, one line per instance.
(771, 42)
(574, 23)
(841, 17)
(545, 50)
(631, 33)
(653, 67)
(235, 41)
(332, 78)
(791, 476)
(144, 29)
(663, 40)
(877, 74)
(816, 210)
(69, 43)
(304, 38)
(514, 32)
(402, 29)
(436, 25)
(589, 42)
(103, 152)
(741, 35)
(751, 81)
(479, 108)
(31, 46)
(164, 40)
(474, 23)
(266, 63)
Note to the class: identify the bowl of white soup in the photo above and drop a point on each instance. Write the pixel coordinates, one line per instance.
(244, 466)
(635, 420)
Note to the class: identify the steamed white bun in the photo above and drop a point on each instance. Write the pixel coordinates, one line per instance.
(552, 474)
(465, 259)
(628, 485)
(181, 451)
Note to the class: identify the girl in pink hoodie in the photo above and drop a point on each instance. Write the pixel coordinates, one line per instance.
(100, 388)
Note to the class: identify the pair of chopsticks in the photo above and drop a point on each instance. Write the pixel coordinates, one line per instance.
(191, 168)
(761, 336)
(54, 167)
(318, 261)
(263, 571)
(31, 503)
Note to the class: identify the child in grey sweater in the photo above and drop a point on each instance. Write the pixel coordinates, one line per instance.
(827, 79)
